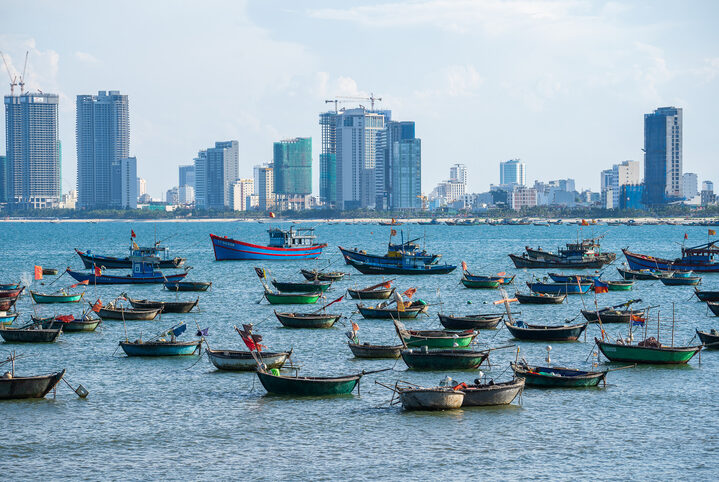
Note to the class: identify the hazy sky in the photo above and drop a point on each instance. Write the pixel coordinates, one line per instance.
(561, 84)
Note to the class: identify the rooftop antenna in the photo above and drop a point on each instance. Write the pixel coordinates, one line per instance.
(13, 79)
(21, 83)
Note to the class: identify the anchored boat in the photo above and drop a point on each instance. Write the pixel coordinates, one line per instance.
(295, 243)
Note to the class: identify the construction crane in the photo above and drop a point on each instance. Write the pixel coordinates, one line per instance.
(424, 201)
(13, 78)
(21, 83)
(371, 99)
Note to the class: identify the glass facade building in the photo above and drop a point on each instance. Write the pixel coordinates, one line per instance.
(292, 163)
(328, 159)
(663, 155)
(403, 166)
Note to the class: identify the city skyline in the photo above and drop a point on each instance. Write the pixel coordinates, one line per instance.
(644, 57)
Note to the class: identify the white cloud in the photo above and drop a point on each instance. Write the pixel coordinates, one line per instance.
(86, 57)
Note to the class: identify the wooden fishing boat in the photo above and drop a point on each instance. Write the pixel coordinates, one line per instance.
(702, 258)
(314, 274)
(365, 350)
(612, 315)
(557, 377)
(277, 298)
(92, 279)
(114, 311)
(17, 388)
(160, 348)
(302, 287)
(524, 331)
(307, 320)
(572, 278)
(32, 333)
(377, 292)
(284, 245)
(237, 360)
(402, 269)
(641, 274)
(7, 318)
(675, 280)
(308, 386)
(525, 261)
(443, 359)
(165, 306)
(503, 280)
(437, 338)
(559, 288)
(471, 322)
(540, 298)
(90, 260)
(710, 339)
(397, 254)
(490, 394)
(188, 285)
(714, 307)
(649, 351)
(411, 310)
(706, 295)
(74, 325)
(480, 284)
(59, 297)
(7, 303)
(437, 398)
(9, 286)
(11, 292)
(620, 285)
(49, 271)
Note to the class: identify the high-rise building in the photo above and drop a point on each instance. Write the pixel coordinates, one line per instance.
(187, 175)
(187, 194)
(328, 159)
(123, 186)
(663, 155)
(33, 150)
(627, 173)
(242, 191)
(292, 162)
(264, 187)
(690, 185)
(4, 177)
(103, 138)
(172, 196)
(402, 161)
(512, 173)
(458, 173)
(216, 169)
(141, 186)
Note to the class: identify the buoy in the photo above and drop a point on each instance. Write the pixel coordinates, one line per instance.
(7, 375)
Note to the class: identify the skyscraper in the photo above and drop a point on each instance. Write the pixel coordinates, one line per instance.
(512, 172)
(402, 167)
(663, 155)
(33, 150)
(690, 185)
(187, 176)
(103, 138)
(123, 175)
(216, 169)
(4, 177)
(292, 163)
(328, 159)
(458, 172)
(264, 186)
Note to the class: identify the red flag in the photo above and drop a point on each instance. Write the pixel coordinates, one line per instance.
(98, 271)
(65, 319)
(272, 215)
(387, 285)
(393, 232)
(712, 232)
(410, 292)
(132, 234)
(38, 272)
(584, 222)
(84, 282)
(464, 266)
(686, 236)
(97, 306)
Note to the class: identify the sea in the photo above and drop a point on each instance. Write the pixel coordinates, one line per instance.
(180, 418)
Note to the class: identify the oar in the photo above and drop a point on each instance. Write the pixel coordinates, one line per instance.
(499, 347)
(374, 371)
(621, 368)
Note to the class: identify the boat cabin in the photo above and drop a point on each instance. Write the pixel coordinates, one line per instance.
(702, 254)
(143, 266)
(291, 238)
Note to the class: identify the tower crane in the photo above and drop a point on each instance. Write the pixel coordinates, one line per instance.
(342, 99)
(13, 78)
(21, 83)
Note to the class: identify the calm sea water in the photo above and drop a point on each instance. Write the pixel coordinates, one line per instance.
(180, 418)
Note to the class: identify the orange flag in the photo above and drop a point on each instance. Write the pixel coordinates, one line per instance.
(272, 215)
(464, 266)
(85, 282)
(97, 306)
(38, 272)
(712, 232)
(584, 222)
(410, 292)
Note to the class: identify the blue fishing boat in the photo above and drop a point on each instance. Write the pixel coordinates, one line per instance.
(295, 243)
(560, 288)
(160, 346)
(702, 258)
(405, 251)
(572, 278)
(406, 267)
(143, 272)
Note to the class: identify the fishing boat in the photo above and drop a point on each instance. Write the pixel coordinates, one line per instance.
(11, 292)
(437, 398)
(572, 278)
(407, 252)
(642, 274)
(91, 260)
(49, 271)
(649, 351)
(69, 323)
(491, 394)
(386, 311)
(237, 360)
(557, 377)
(284, 245)
(443, 359)
(524, 331)
(278, 384)
(160, 346)
(165, 306)
(59, 297)
(7, 303)
(32, 333)
(434, 338)
(614, 314)
(312, 275)
(710, 339)
(526, 262)
(403, 268)
(7, 318)
(187, 285)
(301, 287)
(279, 298)
(706, 295)
(702, 258)
(115, 311)
(367, 350)
(480, 283)
(13, 387)
(307, 320)
(714, 307)
(9, 286)
(471, 322)
(539, 298)
(380, 291)
(559, 288)
(143, 272)
(588, 248)
(625, 285)
(678, 280)
(502, 278)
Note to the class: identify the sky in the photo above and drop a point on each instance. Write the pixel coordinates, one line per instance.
(563, 85)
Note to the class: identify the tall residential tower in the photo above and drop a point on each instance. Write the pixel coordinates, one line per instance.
(663, 155)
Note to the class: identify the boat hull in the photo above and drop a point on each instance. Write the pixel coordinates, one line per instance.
(681, 281)
(73, 326)
(369, 312)
(559, 288)
(105, 279)
(363, 257)
(128, 314)
(18, 388)
(375, 351)
(431, 398)
(110, 262)
(648, 355)
(165, 306)
(540, 299)
(40, 298)
(308, 386)
(523, 262)
(707, 295)
(714, 307)
(381, 294)
(558, 377)
(638, 261)
(308, 287)
(491, 395)
(482, 322)
(242, 361)
(227, 249)
(419, 269)
(292, 298)
(306, 320)
(546, 333)
(11, 335)
(443, 359)
(480, 284)
(188, 286)
(415, 340)
(160, 349)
